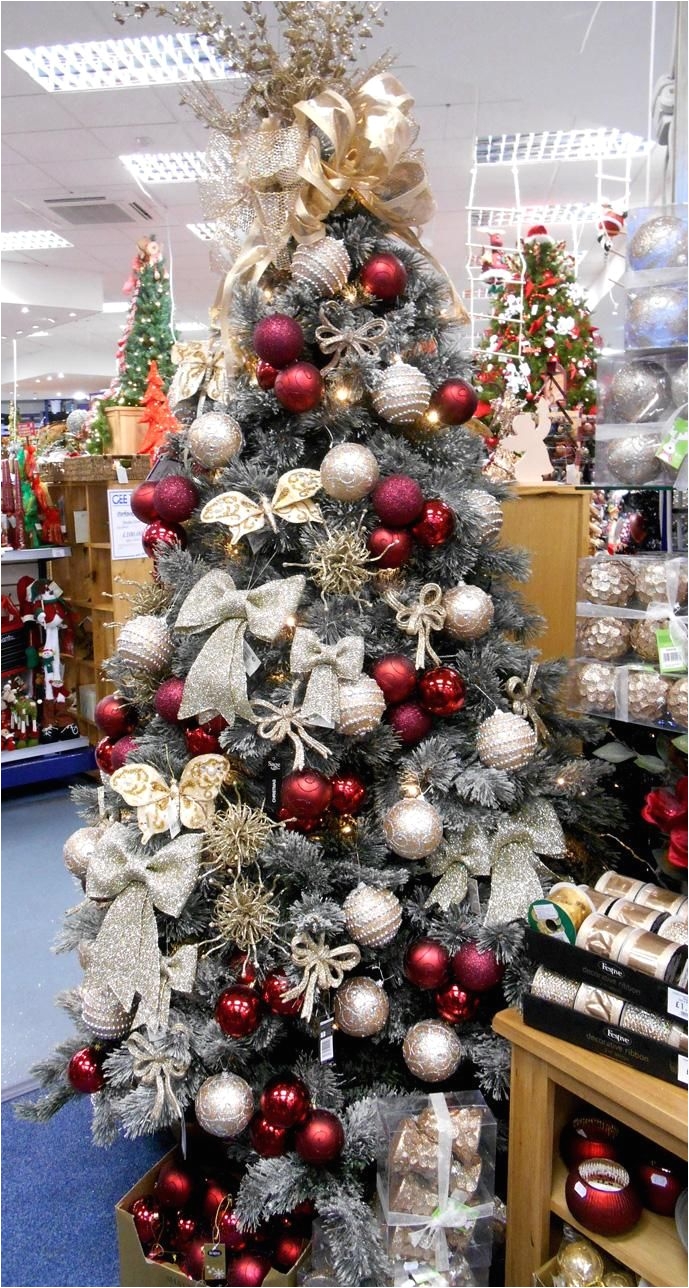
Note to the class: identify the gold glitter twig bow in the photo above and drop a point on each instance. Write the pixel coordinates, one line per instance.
(198, 367)
(153, 1067)
(513, 850)
(324, 968)
(216, 602)
(419, 619)
(290, 502)
(328, 665)
(166, 807)
(284, 722)
(360, 340)
(519, 691)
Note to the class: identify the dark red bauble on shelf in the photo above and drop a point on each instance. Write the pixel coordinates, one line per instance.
(410, 722)
(287, 1249)
(168, 698)
(477, 969)
(396, 676)
(176, 498)
(184, 1229)
(114, 716)
(285, 1102)
(320, 1140)
(349, 794)
(601, 1197)
(455, 402)
(200, 742)
(390, 547)
(141, 501)
(304, 1211)
(158, 533)
(299, 388)
(442, 691)
(278, 339)
(103, 755)
(247, 1271)
(121, 750)
(238, 1011)
(229, 1232)
(266, 374)
(148, 1219)
(273, 994)
(306, 793)
(174, 1186)
(590, 1136)
(660, 1179)
(427, 964)
(384, 276)
(435, 525)
(455, 1005)
(267, 1139)
(304, 825)
(397, 500)
(194, 1259)
(213, 1198)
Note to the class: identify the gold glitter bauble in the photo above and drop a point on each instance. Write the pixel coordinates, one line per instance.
(633, 459)
(78, 850)
(325, 266)
(403, 394)
(146, 643)
(595, 687)
(372, 916)
(362, 706)
(657, 317)
(103, 1014)
(643, 637)
(468, 612)
(214, 439)
(605, 638)
(654, 582)
(581, 1264)
(608, 581)
(677, 702)
(413, 828)
(639, 393)
(361, 1008)
(647, 695)
(619, 1278)
(224, 1105)
(660, 242)
(485, 513)
(431, 1051)
(349, 472)
(506, 741)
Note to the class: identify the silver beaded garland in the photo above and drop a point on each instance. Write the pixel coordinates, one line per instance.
(595, 687)
(660, 242)
(413, 828)
(485, 512)
(362, 706)
(431, 1051)
(603, 638)
(349, 472)
(372, 916)
(403, 394)
(325, 266)
(468, 612)
(608, 581)
(224, 1105)
(677, 702)
(639, 393)
(214, 438)
(506, 741)
(361, 1008)
(103, 1014)
(78, 850)
(647, 695)
(146, 643)
(633, 459)
(657, 318)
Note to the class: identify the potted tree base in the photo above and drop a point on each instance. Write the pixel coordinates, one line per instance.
(126, 431)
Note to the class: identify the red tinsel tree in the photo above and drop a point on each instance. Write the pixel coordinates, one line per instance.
(157, 416)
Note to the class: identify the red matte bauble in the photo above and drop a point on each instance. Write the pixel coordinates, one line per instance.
(306, 793)
(299, 388)
(395, 674)
(477, 969)
(141, 501)
(601, 1197)
(184, 1230)
(349, 794)
(590, 1136)
(435, 525)
(176, 498)
(121, 750)
(455, 402)
(455, 1005)
(174, 1187)
(410, 722)
(200, 742)
(247, 1271)
(278, 339)
(390, 547)
(215, 1195)
(285, 1102)
(267, 1139)
(266, 374)
(442, 691)
(384, 276)
(287, 1249)
(273, 994)
(158, 533)
(229, 1232)
(194, 1259)
(85, 1070)
(148, 1219)
(320, 1140)
(103, 755)
(397, 500)
(168, 698)
(238, 1011)
(660, 1180)
(427, 964)
(113, 716)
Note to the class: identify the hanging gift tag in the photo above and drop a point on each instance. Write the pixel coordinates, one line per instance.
(251, 661)
(273, 786)
(121, 473)
(671, 656)
(326, 1044)
(214, 1263)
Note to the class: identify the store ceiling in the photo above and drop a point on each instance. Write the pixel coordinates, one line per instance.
(473, 68)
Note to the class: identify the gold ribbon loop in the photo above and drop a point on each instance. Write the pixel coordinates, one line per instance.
(284, 722)
(153, 1067)
(362, 340)
(328, 665)
(523, 704)
(419, 619)
(198, 368)
(324, 968)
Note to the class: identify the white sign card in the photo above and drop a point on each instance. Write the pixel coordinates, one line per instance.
(125, 529)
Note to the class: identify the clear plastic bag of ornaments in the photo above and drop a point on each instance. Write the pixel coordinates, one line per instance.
(656, 249)
(637, 390)
(641, 456)
(633, 693)
(656, 315)
(633, 582)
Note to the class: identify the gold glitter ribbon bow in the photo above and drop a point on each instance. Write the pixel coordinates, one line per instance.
(290, 502)
(125, 955)
(198, 367)
(324, 968)
(419, 619)
(516, 869)
(153, 1067)
(284, 722)
(519, 692)
(217, 679)
(454, 863)
(351, 340)
(177, 972)
(328, 665)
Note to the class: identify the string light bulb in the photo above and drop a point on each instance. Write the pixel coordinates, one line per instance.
(342, 393)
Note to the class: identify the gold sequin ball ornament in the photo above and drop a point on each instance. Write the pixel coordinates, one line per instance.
(603, 638)
(506, 741)
(643, 638)
(633, 459)
(224, 1105)
(486, 513)
(413, 828)
(103, 1014)
(677, 702)
(349, 472)
(647, 695)
(146, 643)
(608, 581)
(468, 612)
(580, 1263)
(78, 850)
(653, 582)
(372, 916)
(595, 687)
(402, 395)
(214, 439)
(431, 1051)
(325, 266)
(361, 1008)
(362, 706)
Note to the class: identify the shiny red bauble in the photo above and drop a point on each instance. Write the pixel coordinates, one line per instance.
(349, 794)
(148, 1219)
(410, 722)
(477, 969)
(175, 498)
(660, 1179)
(299, 388)
(455, 1005)
(442, 691)
(141, 501)
(158, 534)
(285, 1102)
(267, 1139)
(320, 1140)
(238, 1011)
(390, 547)
(113, 716)
(435, 525)
(601, 1197)
(427, 964)
(273, 995)
(286, 1250)
(184, 1229)
(306, 793)
(174, 1187)
(384, 276)
(266, 374)
(304, 825)
(278, 339)
(229, 1232)
(121, 749)
(455, 402)
(395, 674)
(103, 755)
(194, 1259)
(168, 698)
(248, 1270)
(397, 500)
(591, 1135)
(214, 1197)
(200, 742)
(243, 968)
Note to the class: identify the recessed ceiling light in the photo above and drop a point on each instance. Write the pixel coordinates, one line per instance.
(166, 167)
(19, 333)
(115, 306)
(49, 377)
(79, 393)
(206, 232)
(72, 315)
(123, 64)
(557, 145)
(35, 239)
(36, 335)
(60, 375)
(24, 309)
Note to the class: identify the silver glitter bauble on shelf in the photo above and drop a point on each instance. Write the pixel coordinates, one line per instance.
(677, 702)
(146, 643)
(76, 420)
(214, 439)
(468, 612)
(372, 916)
(362, 706)
(431, 1051)
(633, 459)
(413, 828)
(678, 386)
(361, 1008)
(647, 695)
(325, 266)
(643, 637)
(608, 581)
(506, 741)
(657, 318)
(639, 393)
(78, 850)
(224, 1105)
(403, 394)
(655, 584)
(486, 513)
(660, 242)
(595, 687)
(349, 472)
(103, 1014)
(604, 638)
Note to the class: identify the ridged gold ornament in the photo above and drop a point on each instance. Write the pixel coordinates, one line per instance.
(654, 582)
(486, 513)
(146, 643)
(372, 916)
(431, 1051)
(677, 702)
(639, 393)
(608, 581)
(595, 687)
(403, 394)
(604, 638)
(506, 741)
(413, 828)
(647, 695)
(214, 439)
(643, 637)
(78, 850)
(362, 706)
(325, 266)
(349, 472)
(224, 1105)
(468, 612)
(633, 459)
(103, 1014)
(361, 1008)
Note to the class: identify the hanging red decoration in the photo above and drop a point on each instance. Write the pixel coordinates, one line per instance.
(174, 1186)
(121, 749)
(427, 964)
(273, 994)
(455, 1005)
(148, 1219)
(395, 674)
(248, 1270)
(287, 1249)
(200, 742)
(384, 276)
(162, 534)
(103, 755)
(266, 374)
(238, 1011)
(299, 388)
(410, 722)
(477, 968)
(285, 1102)
(349, 794)
(141, 501)
(278, 340)
(435, 524)
(269, 1140)
(85, 1070)
(168, 698)
(397, 500)
(320, 1140)
(442, 691)
(229, 1232)
(175, 498)
(455, 402)
(114, 716)
(306, 794)
(390, 547)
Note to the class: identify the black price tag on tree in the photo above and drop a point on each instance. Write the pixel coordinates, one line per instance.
(326, 1043)
(273, 786)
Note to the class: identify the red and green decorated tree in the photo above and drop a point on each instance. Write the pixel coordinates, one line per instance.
(148, 335)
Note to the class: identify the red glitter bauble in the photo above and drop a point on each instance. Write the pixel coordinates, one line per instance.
(113, 716)
(410, 722)
(442, 691)
(304, 825)
(278, 339)
(247, 1271)
(168, 698)
(435, 525)
(660, 1180)
(477, 969)
(174, 1186)
(200, 742)
(158, 533)
(273, 994)
(238, 1011)
(229, 1232)
(121, 750)
(395, 674)
(184, 1230)
(349, 794)
(384, 276)
(397, 500)
(492, 442)
(141, 502)
(195, 1259)
(215, 1195)
(85, 1070)
(176, 498)
(455, 1005)
(287, 1249)
(306, 794)
(269, 1140)
(103, 755)
(299, 388)
(455, 402)
(285, 1102)
(593, 1135)
(148, 1219)
(390, 547)
(266, 374)
(427, 964)
(601, 1197)
(320, 1140)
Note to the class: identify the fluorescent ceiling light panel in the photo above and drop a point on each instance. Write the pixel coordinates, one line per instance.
(115, 306)
(122, 64)
(508, 217)
(557, 145)
(37, 335)
(166, 167)
(44, 239)
(206, 232)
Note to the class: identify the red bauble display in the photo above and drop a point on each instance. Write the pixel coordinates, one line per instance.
(396, 676)
(442, 691)
(168, 698)
(349, 794)
(121, 750)
(148, 1219)
(141, 502)
(229, 1232)
(306, 794)
(590, 1136)
(278, 340)
(285, 1102)
(384, 276)
(114, 717)
(427, 964)
(320, 1140)
(410, 722)
(390, 547)
(247, 1271)
(477, 969)
(266, 374)
(174, 1187)
(397, 500)
(435, 525)
(200, 742)
(273, 995)
(455, 1005)
(184, 1230)
(660, 1179)
(158, 533)
(103, 755)
(601, 1197)
(455, 402)
(175, 498)
(287, 1249)
(213, 1198)
(267, 1139)
(238, 1011)
(195, 1259)
(299, 388)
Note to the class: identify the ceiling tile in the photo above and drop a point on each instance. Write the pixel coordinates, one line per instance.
(36, 112)
(118, 107)
(60, 145)
(18, 179)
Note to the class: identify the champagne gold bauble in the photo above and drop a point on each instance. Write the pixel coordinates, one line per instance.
(372, 916)
(603, 638)
(643, 638)
(633, 459)
(78, 850)
(362, 706)
(403, 394)
(677, 702)
(224, 1105)
(657, 317)
(361, 1008)
(431, 1051)
(647, 695)
(660, 242)
(324, 266)
(413, 828)
(485, 512)
(103, 1014)
(639, 393)
(468, 612)
(657, 582)
(506, 741)
(608, 581)
(595, 687)
(580, 1263)
(214, 438)
(349, 472)
(146, 643)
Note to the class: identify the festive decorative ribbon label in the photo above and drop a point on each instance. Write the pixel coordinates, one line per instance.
(198, 368)
(324, 968)
(153, 1066)
(289, 722)
(328, 665)
(290, 502)
(167, 807)
(520, 694)
(419, 619)
(357, 341)
(217, 679)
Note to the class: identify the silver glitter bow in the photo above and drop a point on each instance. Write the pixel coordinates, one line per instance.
(284, 722)
(515, 868)
(328, 665)
(177, 972)
(217, 679)
(324, 968)
(359, 341)
(520, 693)
(154, 1067)
(455, 863)
(419, 619)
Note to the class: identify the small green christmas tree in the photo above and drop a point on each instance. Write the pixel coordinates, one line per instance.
(148, 335)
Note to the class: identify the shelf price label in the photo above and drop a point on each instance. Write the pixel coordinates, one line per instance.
(677, 1004)
(125, 529)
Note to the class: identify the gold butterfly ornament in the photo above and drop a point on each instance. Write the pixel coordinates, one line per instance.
(291, 502)
(169, 806)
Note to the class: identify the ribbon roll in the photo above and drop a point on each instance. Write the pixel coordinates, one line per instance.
(290, 502)
(154, 1067)
(284, 722)
(324, 968)
(328, 664)
(419, 619)
(359, 341)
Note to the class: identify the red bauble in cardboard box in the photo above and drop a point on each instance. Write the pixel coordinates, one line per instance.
(174, 1186)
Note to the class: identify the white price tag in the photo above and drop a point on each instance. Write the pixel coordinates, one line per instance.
(683, 1069)
(677, 1004)
(121, 473)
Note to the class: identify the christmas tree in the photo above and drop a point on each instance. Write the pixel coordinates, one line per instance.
(157, 417)
(148, 335)
(332, 768)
